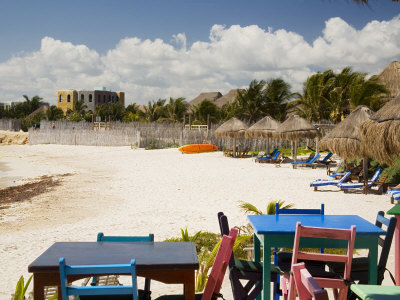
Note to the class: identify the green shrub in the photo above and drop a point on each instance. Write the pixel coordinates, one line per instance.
(152, 145)
(393, 172)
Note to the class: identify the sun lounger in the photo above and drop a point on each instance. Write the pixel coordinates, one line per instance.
(325, 182)
(268, 158)
(309, 163)
(361, 185)
(326, 160)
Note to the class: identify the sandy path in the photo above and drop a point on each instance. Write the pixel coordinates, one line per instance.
(122, 191)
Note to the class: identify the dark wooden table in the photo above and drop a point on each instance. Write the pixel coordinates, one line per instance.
(167, 262)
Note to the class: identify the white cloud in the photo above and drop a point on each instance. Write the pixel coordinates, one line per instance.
(151, 69)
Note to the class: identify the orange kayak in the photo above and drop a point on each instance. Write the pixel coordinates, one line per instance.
(197, 148)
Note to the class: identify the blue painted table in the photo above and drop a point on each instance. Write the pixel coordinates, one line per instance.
(278, 231)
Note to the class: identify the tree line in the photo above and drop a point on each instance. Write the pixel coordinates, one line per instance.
(325, 95)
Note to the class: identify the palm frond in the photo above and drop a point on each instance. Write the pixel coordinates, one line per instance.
(249, 208)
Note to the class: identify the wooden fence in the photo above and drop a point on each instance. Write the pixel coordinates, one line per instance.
(139, 134)
(10, 124)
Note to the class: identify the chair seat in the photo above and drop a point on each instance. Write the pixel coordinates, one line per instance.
(143, 295)
(376, 292)
(322, 182)
(316, 268)
(358, 264)
(178, 297)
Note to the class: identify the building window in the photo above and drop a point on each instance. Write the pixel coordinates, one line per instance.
(83, 97)
(104, 98)
(98, 99)
(60, 98)
(68, 98)
(90, 97)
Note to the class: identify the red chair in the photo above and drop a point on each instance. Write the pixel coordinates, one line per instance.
(325, 233)
(307, 287)
(218, 270)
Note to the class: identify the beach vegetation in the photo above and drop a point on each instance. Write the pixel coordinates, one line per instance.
(207, 244)
(392, 171)
(21, 288)
(152, 145)
(204, 109)
(249, 208)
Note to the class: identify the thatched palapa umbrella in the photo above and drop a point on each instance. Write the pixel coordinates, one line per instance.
(380, 135)
(233, 128)
(295, 128)
(263, 128)
(345, 138)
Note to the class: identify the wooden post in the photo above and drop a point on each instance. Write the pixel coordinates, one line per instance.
(190, 121)
(208, 122)
(316, 145)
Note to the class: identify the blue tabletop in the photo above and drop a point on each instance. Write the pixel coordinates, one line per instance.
(286, 224)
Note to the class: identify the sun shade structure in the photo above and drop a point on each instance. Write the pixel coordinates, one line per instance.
(233, 128)
(263, 128)
(380, 135)
(295, 128)
(345, 138)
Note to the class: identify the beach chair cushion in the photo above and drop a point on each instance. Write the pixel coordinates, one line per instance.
(326, 158)
(323, 182)
(310, 161)
(359, 185)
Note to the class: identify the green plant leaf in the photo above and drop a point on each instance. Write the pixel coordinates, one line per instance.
(19, 289)
(27, 284)
(249, 208)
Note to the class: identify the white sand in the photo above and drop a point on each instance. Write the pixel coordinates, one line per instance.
(121, 191)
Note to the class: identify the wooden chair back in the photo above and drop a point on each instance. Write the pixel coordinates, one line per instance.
(220, 265)
(66, 270)
(104, 238)
(325, 233)
(307, 287)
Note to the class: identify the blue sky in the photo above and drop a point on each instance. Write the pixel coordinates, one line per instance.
(182, 48)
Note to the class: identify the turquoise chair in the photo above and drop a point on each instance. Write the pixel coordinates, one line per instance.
(120, 292)
(145, 293)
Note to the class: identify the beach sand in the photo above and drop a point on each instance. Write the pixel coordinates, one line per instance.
(70, 193)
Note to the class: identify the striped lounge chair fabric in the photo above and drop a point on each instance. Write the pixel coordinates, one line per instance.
(325, 182)
(360, 185)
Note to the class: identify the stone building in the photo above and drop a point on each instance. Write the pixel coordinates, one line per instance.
(92, 98)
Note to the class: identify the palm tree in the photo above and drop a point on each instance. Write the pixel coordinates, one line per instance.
(206, 108)
(249, 208)
(54, 113)
(277, 93)
(32, 104)
(80, 107)
(176, 109)
(154, 110)
(367, 92)
(252, 101)
(311, 104)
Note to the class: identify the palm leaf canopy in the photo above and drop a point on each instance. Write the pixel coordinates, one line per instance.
(263, 128)
(345, 138)
(380, 134)
(296, 127)
(233, 128)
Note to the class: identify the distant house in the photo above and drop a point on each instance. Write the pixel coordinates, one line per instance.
(9, 104)
(91, 98)
(227, 98)
(213, 96)
(390, 77)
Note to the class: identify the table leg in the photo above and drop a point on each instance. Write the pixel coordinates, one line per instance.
(373, 262)
(397, 251)
(257, 255)
(266, 269)
(38, 287)
(189, 289)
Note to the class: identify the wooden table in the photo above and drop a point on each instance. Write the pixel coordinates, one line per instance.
(395, 210)
(167, 262)
(278, 231)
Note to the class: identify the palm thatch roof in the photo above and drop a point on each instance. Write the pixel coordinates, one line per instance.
(390, 78)
(345, 138)
(233, 128)
(296, 127)
(380, 135)
(213, 96)
(263, 128)
(227, 98)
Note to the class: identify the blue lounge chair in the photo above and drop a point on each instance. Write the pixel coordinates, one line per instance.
(359, 185)
(324, 182)
(267, 156)
(310, 162)
(269, 159)
(118, 291)
(326, 160)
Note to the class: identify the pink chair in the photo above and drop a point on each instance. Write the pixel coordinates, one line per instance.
(307, 287)
(327, 233)
(218, 270)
